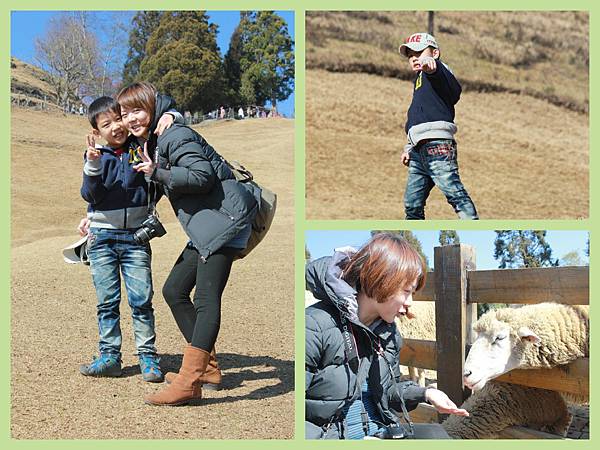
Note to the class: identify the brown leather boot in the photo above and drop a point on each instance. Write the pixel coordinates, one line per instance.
(211, 380)
(186, 385)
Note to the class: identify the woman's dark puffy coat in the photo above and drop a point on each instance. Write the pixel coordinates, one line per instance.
(330, 379)
(211, 205)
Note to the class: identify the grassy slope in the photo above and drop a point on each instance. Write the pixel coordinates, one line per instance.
(29, 80)
(514, 160)
(544, 54)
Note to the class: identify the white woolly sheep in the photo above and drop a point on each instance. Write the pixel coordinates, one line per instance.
(500, 405)
(420, 326)
(545, 335)
(534, 336)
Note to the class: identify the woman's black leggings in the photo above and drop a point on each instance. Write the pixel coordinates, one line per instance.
(199, 322)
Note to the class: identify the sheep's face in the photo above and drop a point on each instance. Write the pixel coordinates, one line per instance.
(498, 348)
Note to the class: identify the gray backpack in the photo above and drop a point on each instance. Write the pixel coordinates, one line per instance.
(266, 208)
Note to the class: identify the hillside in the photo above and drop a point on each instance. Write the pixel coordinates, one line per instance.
(28, 81)
(523, 153)
(542, 54)
(53, 305)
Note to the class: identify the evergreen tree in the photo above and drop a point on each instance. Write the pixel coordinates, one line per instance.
(523, 248)
(233, 73)
(142, 26)
(449, 237)
(183, 60)
(410, 238)
(267, 59)
(519, 248)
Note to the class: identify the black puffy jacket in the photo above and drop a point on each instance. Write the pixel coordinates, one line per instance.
(211, 205)
(330, 378)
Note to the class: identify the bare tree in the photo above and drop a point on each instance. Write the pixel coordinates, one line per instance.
(106, 64)
(67, 52)
(112, 54)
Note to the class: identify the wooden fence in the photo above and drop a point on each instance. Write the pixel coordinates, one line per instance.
(456, 287)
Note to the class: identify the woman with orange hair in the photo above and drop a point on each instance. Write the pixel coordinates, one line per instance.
(353, 346)
(216, 212)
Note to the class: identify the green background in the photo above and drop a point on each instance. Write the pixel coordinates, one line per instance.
(301, 224)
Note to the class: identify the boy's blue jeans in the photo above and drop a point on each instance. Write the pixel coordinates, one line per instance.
(112, 253)
(434, 163)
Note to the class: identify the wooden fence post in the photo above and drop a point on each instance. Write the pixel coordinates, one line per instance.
(451, 263)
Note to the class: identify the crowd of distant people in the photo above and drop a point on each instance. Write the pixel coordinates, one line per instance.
(222, 112)
(241, 113)
(74, 109)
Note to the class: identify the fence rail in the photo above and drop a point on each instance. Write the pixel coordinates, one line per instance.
(568, 285)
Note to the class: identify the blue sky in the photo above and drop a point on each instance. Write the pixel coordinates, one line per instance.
(321, 243)
(26, 26)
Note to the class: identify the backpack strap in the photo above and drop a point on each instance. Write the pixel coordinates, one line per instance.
(240, 173)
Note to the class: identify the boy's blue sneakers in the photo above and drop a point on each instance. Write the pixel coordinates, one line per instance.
(103, 366)
(150, 369)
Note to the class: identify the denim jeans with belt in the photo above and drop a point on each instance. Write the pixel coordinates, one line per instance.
(434, 163)
(112, 253)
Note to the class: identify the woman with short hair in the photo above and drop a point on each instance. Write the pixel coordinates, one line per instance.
(216, 212)
(353, 346)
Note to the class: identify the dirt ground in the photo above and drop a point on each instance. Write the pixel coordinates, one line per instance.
(519, 157)
(54, 329)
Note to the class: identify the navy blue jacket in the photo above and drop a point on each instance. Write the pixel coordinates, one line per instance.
(117, 195)
(434, 97)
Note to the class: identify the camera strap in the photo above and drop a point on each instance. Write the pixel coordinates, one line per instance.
(350, 344)
(152, 199)
(152, 187)
(361, 370)
(351, 349)
(405, 414)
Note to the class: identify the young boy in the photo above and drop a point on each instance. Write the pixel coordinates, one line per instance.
(118, 204)
(431, 150)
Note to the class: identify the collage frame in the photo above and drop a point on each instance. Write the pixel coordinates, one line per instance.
(301, 223)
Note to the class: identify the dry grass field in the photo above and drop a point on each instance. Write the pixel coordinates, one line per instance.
(53, 325)
(523, 125)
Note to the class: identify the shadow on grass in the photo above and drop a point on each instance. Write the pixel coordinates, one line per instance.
(270, 368)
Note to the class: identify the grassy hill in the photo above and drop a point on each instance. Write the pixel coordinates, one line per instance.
(523, 125)
(30, 81)
(542, 54)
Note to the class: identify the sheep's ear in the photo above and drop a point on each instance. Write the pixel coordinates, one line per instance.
(527, 335)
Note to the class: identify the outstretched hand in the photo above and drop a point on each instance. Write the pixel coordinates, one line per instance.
(442, 403)
(428, 64)
(146, 166)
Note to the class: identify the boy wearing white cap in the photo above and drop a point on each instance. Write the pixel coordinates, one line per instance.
(431, 154)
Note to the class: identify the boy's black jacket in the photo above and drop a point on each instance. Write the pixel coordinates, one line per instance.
(434, 97)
